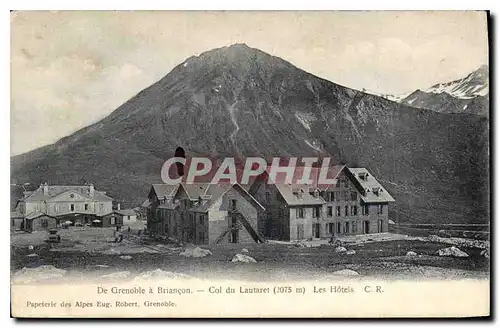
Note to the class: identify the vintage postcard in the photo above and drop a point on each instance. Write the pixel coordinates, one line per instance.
(261, 164)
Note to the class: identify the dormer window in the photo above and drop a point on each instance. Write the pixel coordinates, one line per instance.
(363, 176)
(316, 193)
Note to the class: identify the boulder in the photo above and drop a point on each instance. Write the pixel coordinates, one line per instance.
(195, 252)
(243, 258)
(452, 251)
(244, 250)
(346, 272)
(351, 252)
(411, 253)
(391, 222)
(340, 249)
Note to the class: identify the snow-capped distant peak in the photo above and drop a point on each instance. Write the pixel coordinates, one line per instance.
(473, 85)
(395, 98)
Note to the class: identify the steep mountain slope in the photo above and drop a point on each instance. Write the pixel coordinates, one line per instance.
(466, 95)
(241, 101)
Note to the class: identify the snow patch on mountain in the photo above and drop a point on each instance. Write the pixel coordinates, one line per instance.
(306, 119)
(313, 144)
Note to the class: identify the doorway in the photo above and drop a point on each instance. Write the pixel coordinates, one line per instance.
(300, 231)
(316, 230)
(366, 226)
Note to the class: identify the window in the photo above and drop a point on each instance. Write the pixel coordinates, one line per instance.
(338, 182)
(233, 204)
(346, 182)
(202, 219)
(300, 212)
(337, 211)
(346, 210)
(86, 207)
(354, 196)
(72, 207)
(331, 227)
(330, 210)
(366, 209)
(101, 207)
(44, 223)
(268, 196)
(354, 210)
(380, 209)
(354, 226)
(346, 196)
(332, 196)
(337, 195)
(317, 211)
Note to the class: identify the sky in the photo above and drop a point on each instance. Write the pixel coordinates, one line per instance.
(72, 68)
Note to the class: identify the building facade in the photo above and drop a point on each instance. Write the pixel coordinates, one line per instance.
(83, 204)
(355, 204)
(204, 213)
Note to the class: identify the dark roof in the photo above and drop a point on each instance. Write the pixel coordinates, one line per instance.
(53, 191)
(206, 192)
(164, 190)
(369, 184)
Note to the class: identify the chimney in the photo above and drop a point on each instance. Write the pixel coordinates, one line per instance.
(91, 189)
(45, 188)
(118, 206)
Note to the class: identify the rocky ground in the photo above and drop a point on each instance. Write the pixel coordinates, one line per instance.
(86, 253)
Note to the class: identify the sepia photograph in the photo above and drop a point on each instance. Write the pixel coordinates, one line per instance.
(257, 164)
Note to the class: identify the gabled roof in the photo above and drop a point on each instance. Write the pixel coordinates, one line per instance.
(164, 190)
(53, 191)
(211, 194)
(208, 193)
(368, 185)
